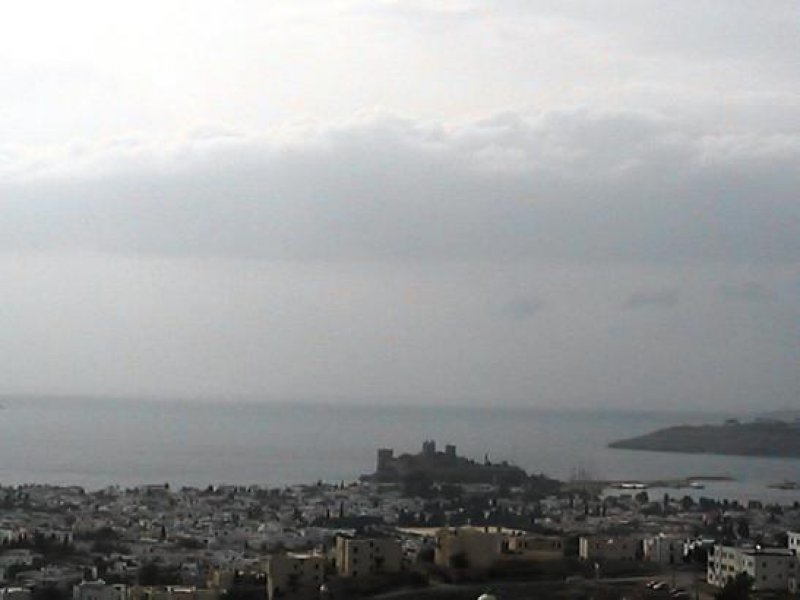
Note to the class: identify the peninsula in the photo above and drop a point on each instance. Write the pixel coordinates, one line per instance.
(757, 438)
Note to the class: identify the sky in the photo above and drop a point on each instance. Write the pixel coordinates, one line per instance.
(510, 203)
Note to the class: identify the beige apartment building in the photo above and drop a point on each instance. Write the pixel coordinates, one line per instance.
(535, 547)
(468, 547)
(172, 592)
(609, 548)
(294, 575)
(357, 557)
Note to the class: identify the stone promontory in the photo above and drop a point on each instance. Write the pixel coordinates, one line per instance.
(758, 438)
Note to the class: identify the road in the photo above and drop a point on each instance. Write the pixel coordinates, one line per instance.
(518, 589)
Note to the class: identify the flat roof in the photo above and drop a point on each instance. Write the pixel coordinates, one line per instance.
(768, 552)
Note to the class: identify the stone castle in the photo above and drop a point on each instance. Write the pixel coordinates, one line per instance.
(444, 467)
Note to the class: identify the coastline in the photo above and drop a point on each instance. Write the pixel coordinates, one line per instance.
(775, 439)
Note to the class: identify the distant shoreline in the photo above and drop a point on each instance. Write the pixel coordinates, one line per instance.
(755, 439)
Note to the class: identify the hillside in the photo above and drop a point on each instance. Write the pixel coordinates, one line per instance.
(743, 439)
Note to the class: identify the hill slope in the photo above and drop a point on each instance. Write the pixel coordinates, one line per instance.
(743, 439)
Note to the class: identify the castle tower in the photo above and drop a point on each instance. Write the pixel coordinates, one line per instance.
(385, 458)
(429, 447)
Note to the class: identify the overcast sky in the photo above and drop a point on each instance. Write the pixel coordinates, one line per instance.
(516, 202)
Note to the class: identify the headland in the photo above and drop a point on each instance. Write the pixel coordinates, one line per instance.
(763, 437)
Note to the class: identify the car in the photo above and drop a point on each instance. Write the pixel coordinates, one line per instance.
(658, 586)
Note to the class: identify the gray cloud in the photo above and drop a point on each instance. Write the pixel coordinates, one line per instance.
(521, 309)
(589, 202)
(750, 291)
(666, 298)
(577, 185)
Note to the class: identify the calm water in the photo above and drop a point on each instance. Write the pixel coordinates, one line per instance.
(96, 443)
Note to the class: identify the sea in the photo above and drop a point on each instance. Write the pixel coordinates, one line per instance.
(97, 443)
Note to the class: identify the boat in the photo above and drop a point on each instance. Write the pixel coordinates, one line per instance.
(634, 485)
(785, 485)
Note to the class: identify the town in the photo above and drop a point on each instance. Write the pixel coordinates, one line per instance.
(432, 524)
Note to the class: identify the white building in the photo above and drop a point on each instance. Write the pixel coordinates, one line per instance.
(769, 568)
(99, 590)
(794, 541)
(664, 549)
(15, 593)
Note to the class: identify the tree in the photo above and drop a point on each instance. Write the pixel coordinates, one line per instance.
(450, 491)
(12, 570)
(426, 555)
(697, 555)
(781, 539)
(459, 561)
(102, 534)
(108, 547)
(149, 574)
(49, 593)
(707, 504)
(190, 543)
(417, 485)
(743, 528)
(737, 588)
